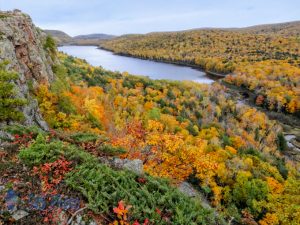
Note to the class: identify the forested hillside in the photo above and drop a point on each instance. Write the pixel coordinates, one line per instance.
(180, 131)
(264, 63)
(210, 49)
(117, 148)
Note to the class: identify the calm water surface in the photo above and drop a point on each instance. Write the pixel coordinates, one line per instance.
(154, 70)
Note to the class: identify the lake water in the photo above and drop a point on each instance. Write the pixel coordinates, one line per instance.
(152, 69)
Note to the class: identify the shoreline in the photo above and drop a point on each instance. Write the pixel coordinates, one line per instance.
(211, 74)
(288, 122)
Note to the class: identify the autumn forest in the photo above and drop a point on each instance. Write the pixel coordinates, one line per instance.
(249, 56)
(137, 151)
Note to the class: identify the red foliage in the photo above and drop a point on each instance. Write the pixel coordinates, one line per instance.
(141, 180)
(136, 129)
(51, 174)
(23, 140)
(146, 222)
(122, 213)
(158, 211)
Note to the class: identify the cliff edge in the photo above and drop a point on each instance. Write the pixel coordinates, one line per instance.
(23, 46)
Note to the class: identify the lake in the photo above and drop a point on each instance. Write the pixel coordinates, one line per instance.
(152, 69)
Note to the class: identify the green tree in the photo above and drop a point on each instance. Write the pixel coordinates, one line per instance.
(50, 46)
(247, 191)
(9, 104)
(281, 142)
(154, 114)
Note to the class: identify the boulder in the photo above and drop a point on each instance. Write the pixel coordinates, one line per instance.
(135, 165)
(187, 189)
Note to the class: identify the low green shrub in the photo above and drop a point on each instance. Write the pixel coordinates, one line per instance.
(151, 198)
(111, 150)
(281, 166)
(84, 137)
(246, 193)
(10, 104)
(251, 151)
(18, 129)
(50, 46)
(281, 143)
(104, 188)
(42, 151)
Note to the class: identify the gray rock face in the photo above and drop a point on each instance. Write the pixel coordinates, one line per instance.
(191, 192)
(21, 43)
(135, 165)
(187, 189)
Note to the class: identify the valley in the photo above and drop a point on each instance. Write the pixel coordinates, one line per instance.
(154, 70)
(89, 136)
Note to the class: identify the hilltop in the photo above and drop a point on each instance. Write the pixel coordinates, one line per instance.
(90, 39)
(60, 37)
(262, 59)
(282, 29)
(95, 36)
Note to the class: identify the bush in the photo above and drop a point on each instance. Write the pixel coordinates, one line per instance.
(248, 191)
(154, 114)
(84, 137)
(280, 164)
(19, 135)
(281, 142)
(192, 129)
(50, 46)
(42, 151)
(95, 123)
(9, 104)
(111, 150)
(65, 105)
(104, 188)
(18, 129)
(251, 151)
(226, 140)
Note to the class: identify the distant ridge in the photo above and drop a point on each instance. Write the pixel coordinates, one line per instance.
(282, 29)
(95, 36)
(63, 38)
(60, 36)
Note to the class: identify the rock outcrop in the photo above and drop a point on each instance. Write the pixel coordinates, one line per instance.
(135, 166)
(22, 44)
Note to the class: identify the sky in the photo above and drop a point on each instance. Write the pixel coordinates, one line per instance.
(142, 16)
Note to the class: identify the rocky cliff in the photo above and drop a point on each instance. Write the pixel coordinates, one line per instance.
(22, 44)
